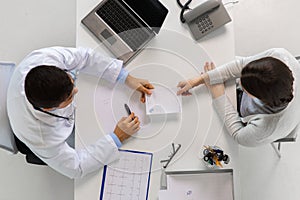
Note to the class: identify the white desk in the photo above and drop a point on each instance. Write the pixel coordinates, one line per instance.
(169, 58)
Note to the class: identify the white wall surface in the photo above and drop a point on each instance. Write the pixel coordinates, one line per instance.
(25, 26)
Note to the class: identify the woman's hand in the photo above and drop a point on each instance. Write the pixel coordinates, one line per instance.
(185, 86)
(216, 90)
(140, 85)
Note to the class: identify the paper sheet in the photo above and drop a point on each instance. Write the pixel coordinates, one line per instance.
(127, 178)
(109, 105)
(163, 100)
(109, 109)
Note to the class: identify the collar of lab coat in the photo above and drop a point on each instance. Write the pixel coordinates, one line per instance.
(52, 120)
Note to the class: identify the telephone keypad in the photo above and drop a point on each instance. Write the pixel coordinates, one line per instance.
(204, 23)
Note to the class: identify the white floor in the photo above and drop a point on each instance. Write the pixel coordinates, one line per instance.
(25, 26)
(264, 176)
(259, 24)
(263, 24)
(20, 180)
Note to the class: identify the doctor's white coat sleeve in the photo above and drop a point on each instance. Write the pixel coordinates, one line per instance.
(81, 59)
(47, 139)
(80, 162)
(48, 142)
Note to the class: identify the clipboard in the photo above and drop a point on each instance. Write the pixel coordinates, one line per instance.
(128, 178)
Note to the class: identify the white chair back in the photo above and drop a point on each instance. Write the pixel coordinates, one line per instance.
(7, 140)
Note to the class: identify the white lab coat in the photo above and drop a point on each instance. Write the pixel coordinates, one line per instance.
(46, 135)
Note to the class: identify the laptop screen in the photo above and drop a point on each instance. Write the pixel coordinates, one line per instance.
(151, 11)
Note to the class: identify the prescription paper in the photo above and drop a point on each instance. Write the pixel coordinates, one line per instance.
(163, 100)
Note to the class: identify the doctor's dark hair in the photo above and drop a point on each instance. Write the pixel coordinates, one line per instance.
(47, 86)
(269, 80)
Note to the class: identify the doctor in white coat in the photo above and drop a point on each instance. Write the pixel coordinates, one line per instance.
(41, 108)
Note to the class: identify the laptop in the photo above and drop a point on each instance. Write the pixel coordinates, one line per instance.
(126, 26)
(212, 184)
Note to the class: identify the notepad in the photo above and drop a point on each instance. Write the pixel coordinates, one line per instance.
(128, 178)
(163, 100)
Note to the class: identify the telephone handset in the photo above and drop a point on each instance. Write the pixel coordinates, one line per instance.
(200, 10)
(204, 18)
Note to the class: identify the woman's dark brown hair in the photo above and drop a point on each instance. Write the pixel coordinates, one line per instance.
(269, 80)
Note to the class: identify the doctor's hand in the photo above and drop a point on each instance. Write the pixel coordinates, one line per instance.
(216, 90)
(127, 126)
(140, 85)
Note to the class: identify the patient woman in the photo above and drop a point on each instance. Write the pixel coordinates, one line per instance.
(269, 106)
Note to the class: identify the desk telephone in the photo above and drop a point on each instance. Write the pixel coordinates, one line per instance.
(205, 18)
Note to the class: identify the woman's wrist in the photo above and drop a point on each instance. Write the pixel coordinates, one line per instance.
(199, 79)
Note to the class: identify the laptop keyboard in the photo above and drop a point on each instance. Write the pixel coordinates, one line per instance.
(122, 23)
